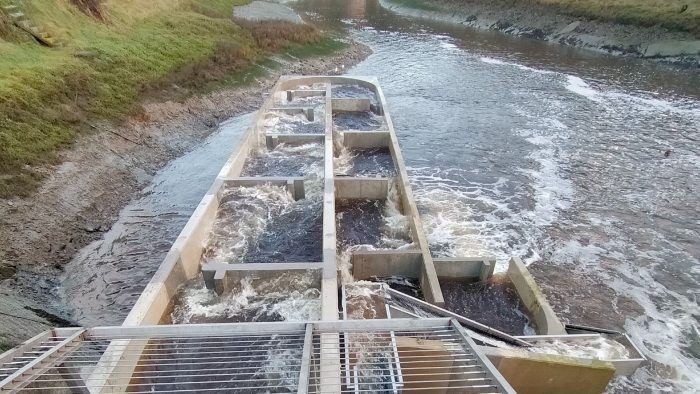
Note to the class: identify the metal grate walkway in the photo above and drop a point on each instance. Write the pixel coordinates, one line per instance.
(361, 356)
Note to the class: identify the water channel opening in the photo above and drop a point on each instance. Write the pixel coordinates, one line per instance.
(494, 302)
(280, 122)
(363, 162)
(290, 296)
(286, 160)
(358, 120)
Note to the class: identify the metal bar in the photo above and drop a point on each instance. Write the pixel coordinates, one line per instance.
(199, 330)
(591, 329)
(24, 347)
(5, 383)
(136, 374)
(472, 324)
(500, 381)
(305, 360)
(178, 351)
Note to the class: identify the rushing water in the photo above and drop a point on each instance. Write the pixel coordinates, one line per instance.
(586, 166)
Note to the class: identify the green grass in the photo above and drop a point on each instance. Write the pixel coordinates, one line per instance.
(4, 346)
(666, 13)
(677, 15)
(417, 4)
(48, 96)
(326, 46)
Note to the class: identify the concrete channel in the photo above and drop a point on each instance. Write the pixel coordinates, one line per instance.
(183, 261)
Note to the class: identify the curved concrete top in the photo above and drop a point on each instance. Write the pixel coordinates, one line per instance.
(546, 321)
(263, 11)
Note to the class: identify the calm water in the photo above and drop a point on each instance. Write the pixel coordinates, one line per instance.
(586, 166)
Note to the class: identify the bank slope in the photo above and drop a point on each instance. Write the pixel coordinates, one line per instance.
(110, 56)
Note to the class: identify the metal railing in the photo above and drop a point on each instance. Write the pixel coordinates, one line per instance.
(360, 356)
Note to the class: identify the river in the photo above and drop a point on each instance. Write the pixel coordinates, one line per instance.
(585, 165)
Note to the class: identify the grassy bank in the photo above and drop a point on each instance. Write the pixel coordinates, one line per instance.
(113, 54)
(683, 15)
(677, 15)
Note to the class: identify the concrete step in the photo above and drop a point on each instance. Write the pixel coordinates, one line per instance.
(9, 8)
(17, 15)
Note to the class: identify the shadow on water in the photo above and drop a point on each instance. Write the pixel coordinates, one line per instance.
(365, 121)
(371, 162)
(494, 303)
(359, 222)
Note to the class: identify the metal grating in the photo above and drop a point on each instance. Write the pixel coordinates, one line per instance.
(397, 355)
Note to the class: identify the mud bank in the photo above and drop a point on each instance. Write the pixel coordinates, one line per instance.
(542, 23)
(81, 198)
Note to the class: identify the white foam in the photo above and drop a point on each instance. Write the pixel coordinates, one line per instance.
(499, 62)
(580, 87)
(600, 348)
(291, 296)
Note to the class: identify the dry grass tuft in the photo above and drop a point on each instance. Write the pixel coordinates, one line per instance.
(278, 35)
(90, 7)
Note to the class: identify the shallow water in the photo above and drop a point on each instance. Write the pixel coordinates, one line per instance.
(104, 279)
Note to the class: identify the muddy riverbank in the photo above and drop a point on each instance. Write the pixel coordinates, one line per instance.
(81, 198)
(545, 23)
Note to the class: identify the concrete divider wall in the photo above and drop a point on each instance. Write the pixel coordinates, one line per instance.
(533, 373)
(546, 321)
(383, 263)
(472, 268)
(225, 278)
(428, 278)
(366, 139)
(361, 188)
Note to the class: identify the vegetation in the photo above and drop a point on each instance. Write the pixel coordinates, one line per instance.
(113, 54)
(417, 4)
(682, 15)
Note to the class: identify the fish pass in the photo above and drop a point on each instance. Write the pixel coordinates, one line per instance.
(305, 268)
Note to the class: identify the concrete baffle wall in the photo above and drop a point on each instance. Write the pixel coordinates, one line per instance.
(533, 373)
(546, 320)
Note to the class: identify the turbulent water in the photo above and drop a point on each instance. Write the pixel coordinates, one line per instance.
(586, 166)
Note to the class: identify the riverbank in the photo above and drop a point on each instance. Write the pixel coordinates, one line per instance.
(659, 36)
(113, 157)
(106, 58)
(82, 197)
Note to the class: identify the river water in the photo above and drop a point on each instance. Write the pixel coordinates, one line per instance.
(586, 166)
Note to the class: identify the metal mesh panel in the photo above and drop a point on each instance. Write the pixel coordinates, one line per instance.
(404, 359)
(398, 355)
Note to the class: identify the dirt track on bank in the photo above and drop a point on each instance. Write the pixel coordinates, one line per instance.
(81, 198)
